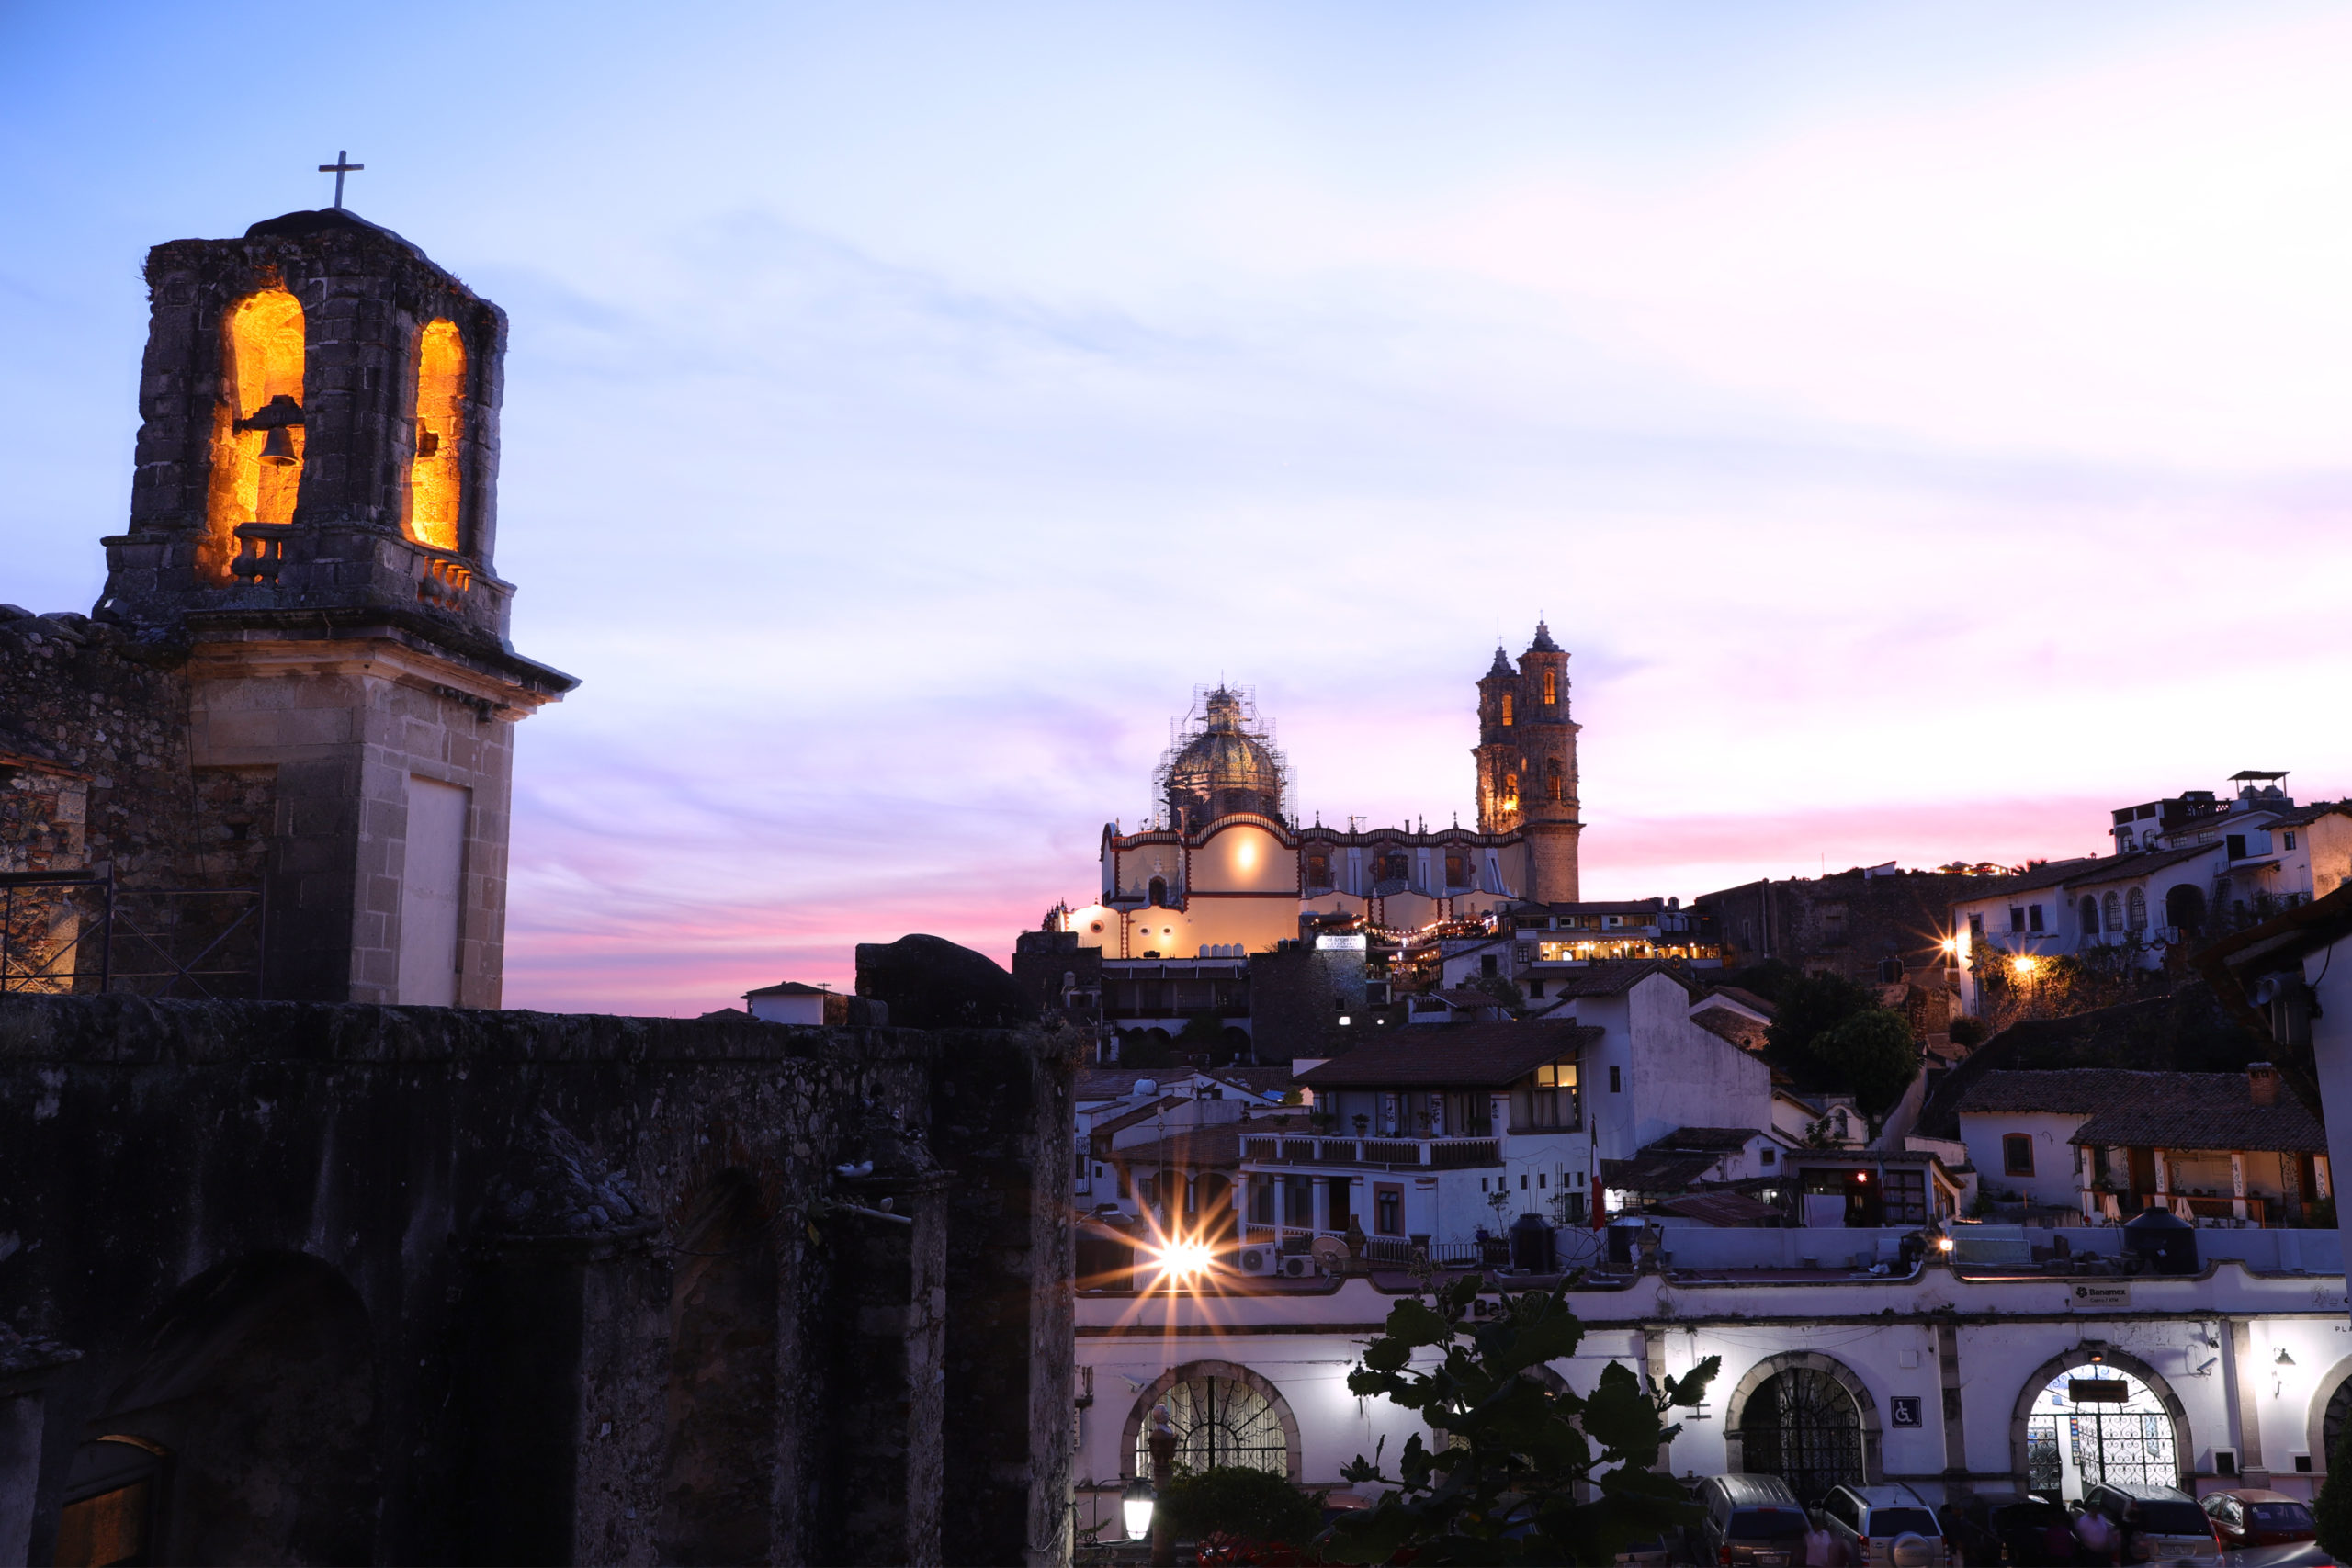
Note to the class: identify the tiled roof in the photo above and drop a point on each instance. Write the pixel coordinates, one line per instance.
(2066, 1091)
(2311, 813)
(1656, 1172)
(2173, 1110)
(1724, 1138)
(1108, 1083)
(2204, 1110)
(1721, 1209)
(2049, 876)
(1736, 1027)
(1745, 999)
(790, 988)
(1608, 977)
(2128, 868)
(1491, 1056)
(1200, 1147)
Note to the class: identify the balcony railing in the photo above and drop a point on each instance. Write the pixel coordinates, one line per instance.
(1434, 1154)
(1385, 1248)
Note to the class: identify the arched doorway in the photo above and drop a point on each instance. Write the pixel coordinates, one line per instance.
(1222, 1415)
(721, 1399)
(2094, 1416)
(254, 1390)
(2185, 908)
(1806, 1418)
(2330, 1415)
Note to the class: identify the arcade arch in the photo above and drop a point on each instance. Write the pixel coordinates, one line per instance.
(1222, 1413)
(1807, 1418)
(2331, 1412)
(2061, 1440)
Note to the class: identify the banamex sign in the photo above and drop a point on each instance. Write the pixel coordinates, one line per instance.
(2101, 1297)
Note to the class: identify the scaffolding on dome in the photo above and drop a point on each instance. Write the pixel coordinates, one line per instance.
(1221, 758)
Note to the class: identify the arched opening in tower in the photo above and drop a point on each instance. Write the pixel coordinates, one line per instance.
(434, 480)
(257, 446)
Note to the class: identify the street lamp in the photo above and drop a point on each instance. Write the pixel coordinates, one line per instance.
(1135, 1507)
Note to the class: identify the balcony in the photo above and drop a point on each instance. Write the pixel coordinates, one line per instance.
(1376, 1154)
(1493, 1252)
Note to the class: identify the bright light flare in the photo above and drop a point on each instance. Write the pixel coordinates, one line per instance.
(1184, 1259)
(2022, 967)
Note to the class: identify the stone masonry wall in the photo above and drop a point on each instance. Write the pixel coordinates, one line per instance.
(515, 1287)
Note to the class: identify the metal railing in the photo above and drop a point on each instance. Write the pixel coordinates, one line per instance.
(79, 934)
(1434, 1154)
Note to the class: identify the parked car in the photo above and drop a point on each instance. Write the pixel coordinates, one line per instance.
(1651, 1554)
(2253, 1517)
(1747, 1521)
(1883, 1527)
(2160, 1524)
(1992, 1526)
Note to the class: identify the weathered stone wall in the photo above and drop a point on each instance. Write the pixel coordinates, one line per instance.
(436, 1286)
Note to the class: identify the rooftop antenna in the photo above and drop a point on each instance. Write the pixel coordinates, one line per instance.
(340, 167)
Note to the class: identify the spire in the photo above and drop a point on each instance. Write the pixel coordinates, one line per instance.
(1543, 643)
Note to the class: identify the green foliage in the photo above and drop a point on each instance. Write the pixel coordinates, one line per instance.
(1241, 1501)
(1770, 979)
(1503, 988)
(1967, 1030)
(1873, 1053)
(1505, 1490)
(2333, 1507)
(1203, 1031)
(1807, 1007)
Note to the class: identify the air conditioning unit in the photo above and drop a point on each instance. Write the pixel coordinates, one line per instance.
(1298, 1266)
(1259, 1259)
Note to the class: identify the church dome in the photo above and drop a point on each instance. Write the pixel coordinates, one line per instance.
(1226, 765)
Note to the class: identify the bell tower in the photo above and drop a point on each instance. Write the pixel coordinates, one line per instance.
(314, 525)
(1527, 764)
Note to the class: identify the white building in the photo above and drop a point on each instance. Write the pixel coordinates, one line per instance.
(1938, 1376)
(2183, 866)
(2106, 1143)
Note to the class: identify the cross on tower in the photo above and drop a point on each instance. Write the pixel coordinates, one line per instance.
(338, 169)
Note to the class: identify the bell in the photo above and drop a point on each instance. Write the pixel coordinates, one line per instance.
(279, 446)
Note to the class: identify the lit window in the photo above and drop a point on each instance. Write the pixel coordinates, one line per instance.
(1506, 710)
(1550, 687)
(433, 473)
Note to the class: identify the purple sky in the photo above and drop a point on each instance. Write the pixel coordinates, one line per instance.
(1926, 424)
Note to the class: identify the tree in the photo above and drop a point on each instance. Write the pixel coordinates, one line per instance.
(1874, 1054)
(1805, 1008)
(1237, 1500)
(2333, 1507)
(1504, 1489)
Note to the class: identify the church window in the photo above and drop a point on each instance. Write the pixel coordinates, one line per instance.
(257, 436)
(1506, 710)
(2113, 905)
(2135, 910)
(1550, 687)
(433, 473)
(1511, 791)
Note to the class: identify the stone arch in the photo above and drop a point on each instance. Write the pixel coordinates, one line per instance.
(2184, 906)
(1770, 1367)
(1141, 1411)
(2080, 1355)
(263, 344)
(2331, 1405)
(255, 1386)
(722, 1395)
(434, 494)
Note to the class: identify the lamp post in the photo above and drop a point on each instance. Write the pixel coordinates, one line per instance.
(1136, 1506)
(1163, 1471)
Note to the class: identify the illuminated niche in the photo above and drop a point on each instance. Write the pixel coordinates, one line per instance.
(433, 476)
(256, 433)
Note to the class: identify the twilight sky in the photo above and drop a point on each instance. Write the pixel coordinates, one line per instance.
(1926, 424)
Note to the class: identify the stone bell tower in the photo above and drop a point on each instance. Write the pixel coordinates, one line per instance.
(312, 525)
(1527, 764)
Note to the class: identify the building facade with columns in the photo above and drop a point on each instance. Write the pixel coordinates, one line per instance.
(1947, 1378)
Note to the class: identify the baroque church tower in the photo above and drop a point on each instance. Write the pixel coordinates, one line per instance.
(312, 530)
(1527, 764)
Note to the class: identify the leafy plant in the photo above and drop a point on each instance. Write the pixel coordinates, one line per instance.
(1238, 1501)
(1504, 1489)
(2333, 1507)
(1874, 1053)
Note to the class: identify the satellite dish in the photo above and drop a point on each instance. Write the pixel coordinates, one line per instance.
(1326, 1251)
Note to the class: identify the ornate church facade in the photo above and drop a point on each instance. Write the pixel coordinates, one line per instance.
(1224, 868)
